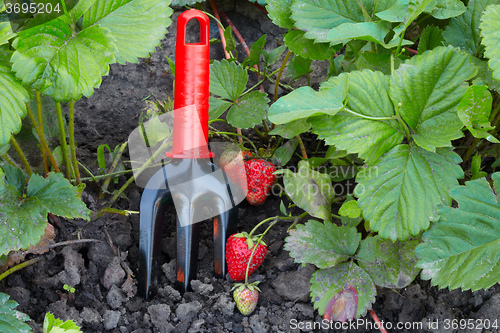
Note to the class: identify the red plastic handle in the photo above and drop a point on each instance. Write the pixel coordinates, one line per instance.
(192, 61)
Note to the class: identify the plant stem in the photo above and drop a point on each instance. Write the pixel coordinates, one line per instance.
(43, 142)
(376, 320)
(400, 42)
(18, 267)
(69, 242)
(239, 135)
(368, 117)
(96, 178)
(9, 160)
(21, 155)
(163, 146)
(40, 120)
(471, 149)
(62, 140)
(72, 140)
(221, 31)
(112, 168)
(255, 248)
(236, 32)
(302, 147)
(278, 77)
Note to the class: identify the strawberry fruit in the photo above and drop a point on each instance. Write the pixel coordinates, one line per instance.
(232, 163)
(260, 178)
(239, 248)
(246, 296)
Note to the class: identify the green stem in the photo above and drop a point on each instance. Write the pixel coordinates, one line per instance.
(471, 149)
(238, 135)
(278, 77)
(9, 160)
(21, 155)
(43, 142)
(96, 178)
(62, 140)
(255, 247)
(40, 121)
(112, 168)
(72, 140)
(18, 267)
(109, 210)
(163, 146)
(92, 177)
(400, 42)
(302, 147)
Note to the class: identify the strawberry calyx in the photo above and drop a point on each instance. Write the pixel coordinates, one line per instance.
(240, 286)
(251, 241)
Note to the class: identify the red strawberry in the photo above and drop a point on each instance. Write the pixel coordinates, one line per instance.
(246, 297)
(232, 163)
(239, 247)
(260, 178)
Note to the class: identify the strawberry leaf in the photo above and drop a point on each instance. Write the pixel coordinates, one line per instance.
(490, 25)
(322, 244)
(23, 218)
(310, 190)
(307, 48)
(11, 320)
(398, 194)
(327, 283)
(55, 325)
(429, 108)
(249, 110)
(368, 96)
(474, 112)
(227, 80)
(280, 13)
(430, 38)
(463, 249)
(13, 97)
(389, 264)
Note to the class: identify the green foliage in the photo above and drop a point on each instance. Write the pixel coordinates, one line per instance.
(490, 25)
(322, 244)
(228, 80)
(54, 325)
(430, 38)
(11, 320)
(24, 208)
(462, 250)
(64, 62)
(398, 194)
(309, 189)
(474, 112)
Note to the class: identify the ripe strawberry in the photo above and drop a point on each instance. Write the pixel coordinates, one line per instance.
(232, 163)
(239, 247)
(246, 296)
(260, 178)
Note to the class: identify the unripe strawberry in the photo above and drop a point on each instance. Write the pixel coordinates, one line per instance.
(246, 297)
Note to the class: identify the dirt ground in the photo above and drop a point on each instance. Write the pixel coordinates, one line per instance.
(102, 303)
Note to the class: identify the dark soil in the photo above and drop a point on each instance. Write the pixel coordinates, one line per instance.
(97, 270)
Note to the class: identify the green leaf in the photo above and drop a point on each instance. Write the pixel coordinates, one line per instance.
(350, 209)
(389, 264)
(463, 31)
(310, 190)
(280, 13)
(249, 110)
(298, 67)
(444, 9)
(6, 32)
(474, 111)
(463, 249)
(399, 193)
(285, 152)
(156, 131)
(291, 129)
(13, 97)
(57, 195)
(490, 30)
(427, 89)
(255, 51)
(56, 61)
(374, 32)
(327, 283)
(404, 11)
(370, 138)
(55, 325)
(377, 62)
(227, 79)
(273, 56)
(322, 244)
(485, 74)
(230, 41)
(11, 320)
(181, 3)
(23, 218)
(476, 168)
(348, 221)
(217, 107)
(305, 102)
(14, 176)
(430, 38)
(136, 25)
(307, 48)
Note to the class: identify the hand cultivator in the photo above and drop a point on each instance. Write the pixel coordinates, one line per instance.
(190, 180)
